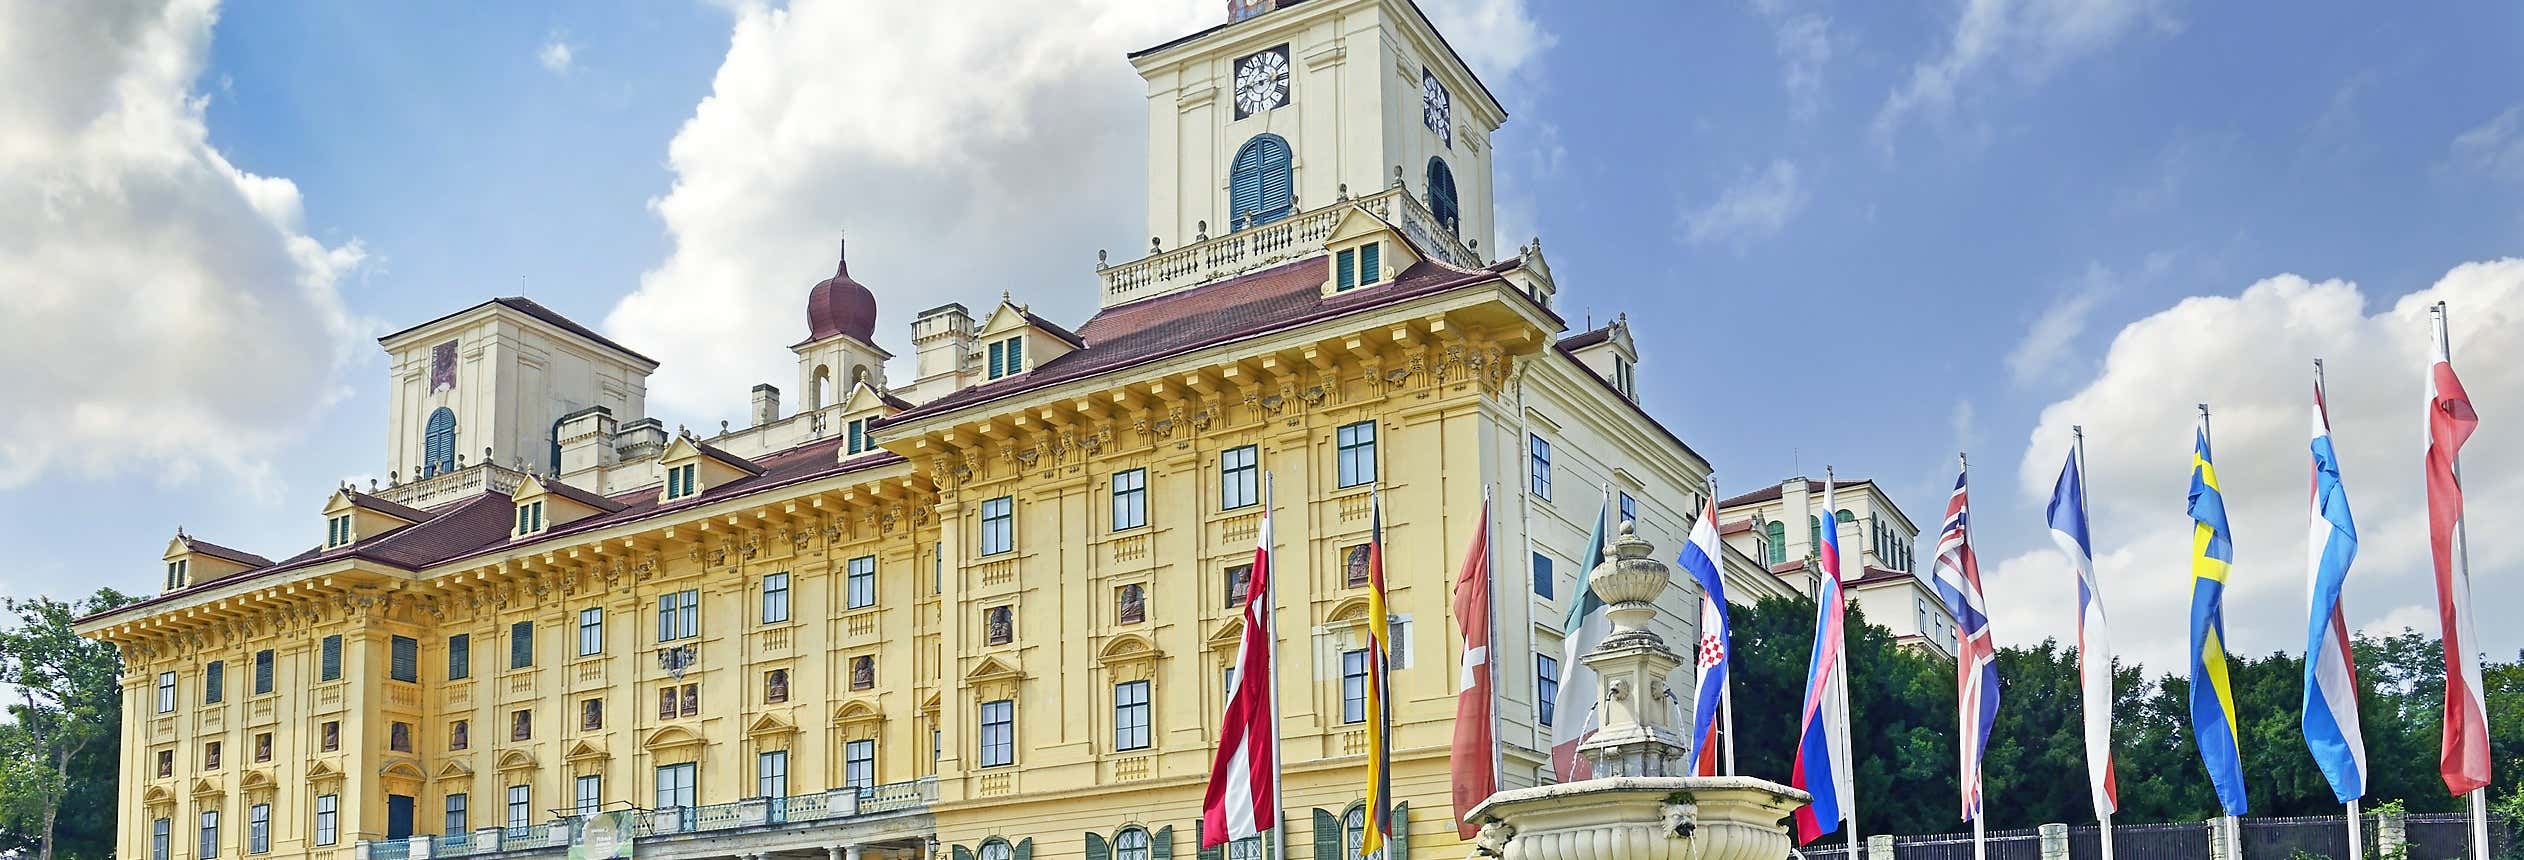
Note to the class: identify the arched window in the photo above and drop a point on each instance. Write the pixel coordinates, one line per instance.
(1130, 844)
(996, 848)
(1260, 182)
(1353, 832)
(438, 443)
(1813, 534)
(1777, 533)
(1442, 195)
(819, 389)
(1847, 517)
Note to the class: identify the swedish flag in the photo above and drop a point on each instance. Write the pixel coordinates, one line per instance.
(2212, 696)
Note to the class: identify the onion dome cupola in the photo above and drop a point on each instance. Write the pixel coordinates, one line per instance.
(840, 306)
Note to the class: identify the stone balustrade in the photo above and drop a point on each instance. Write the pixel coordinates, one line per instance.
(1234, 252)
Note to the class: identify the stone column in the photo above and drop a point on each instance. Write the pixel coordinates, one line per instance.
(487, 839)
(2217, 838)
(1880, 847)
(2392, 834)
(832, 852)
(2054, 842)
(851, 851)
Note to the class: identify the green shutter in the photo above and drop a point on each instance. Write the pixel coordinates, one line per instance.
(1327, 835)
(1344, 270)
(1161, 844)
(1016, 355)
(1400, 847)
(332, 667)
(1097, 848)
(1025, 849)
(1368, 269)
(998, 359)
(1206, 852)
(960, 853)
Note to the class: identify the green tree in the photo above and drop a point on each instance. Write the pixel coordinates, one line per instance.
(59, 750)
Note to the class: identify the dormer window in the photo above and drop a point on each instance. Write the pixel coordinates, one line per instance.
(682, 481)
(1625, 378)
(1357, 267)
(530, 517)
(858, 430)
(337, 531)
(175, 574)
(1007, 357)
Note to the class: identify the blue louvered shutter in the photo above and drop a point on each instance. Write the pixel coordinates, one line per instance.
(438, 443)
(1345, 270)
(1261, 185)
(1442, 194)
(1368, 266)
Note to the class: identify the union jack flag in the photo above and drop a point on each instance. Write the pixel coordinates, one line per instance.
(1958, 578)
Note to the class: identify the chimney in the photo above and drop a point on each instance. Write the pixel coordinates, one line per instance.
(943, 338)
(766, 404)
(586, 438)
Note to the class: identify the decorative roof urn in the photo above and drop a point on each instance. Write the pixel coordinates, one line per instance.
(1641, 805)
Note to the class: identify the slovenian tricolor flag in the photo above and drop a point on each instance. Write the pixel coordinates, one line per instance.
(2331, 726)
(2094, 644)
(1822, 767)
(1700, 557)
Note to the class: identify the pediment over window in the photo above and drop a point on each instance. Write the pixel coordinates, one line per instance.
(157, 794)
(857, 711)
(1126, 648)
(516, 760)
(671, 737)
(770, 724)
(455, 769)
(582, 751)
(255, 779)
(1348, 612)
(208, 786)
(929, 704)
(323, 769)
(404, 774)
(1228, 635)
(995, 667)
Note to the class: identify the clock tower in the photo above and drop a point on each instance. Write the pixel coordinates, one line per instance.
(1290, 102)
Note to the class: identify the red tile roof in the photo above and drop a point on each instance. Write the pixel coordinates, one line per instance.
(203, 547)
(713, 452)
(1583, 340)
(563, 489)
(402, 512)
(1248, 305)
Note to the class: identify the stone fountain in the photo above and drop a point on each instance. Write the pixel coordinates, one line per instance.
(1643, 804)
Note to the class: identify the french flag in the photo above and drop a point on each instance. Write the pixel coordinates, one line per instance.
(1822, 767)
(1700, 557)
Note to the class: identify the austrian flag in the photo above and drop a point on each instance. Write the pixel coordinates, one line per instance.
(1243, 796)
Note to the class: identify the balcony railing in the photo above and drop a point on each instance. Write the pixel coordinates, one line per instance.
(1209, 259)
(834, 805)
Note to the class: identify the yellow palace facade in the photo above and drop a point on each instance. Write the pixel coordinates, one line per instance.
(986, 612)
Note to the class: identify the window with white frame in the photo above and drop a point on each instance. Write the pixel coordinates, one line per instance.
(679, 615)
(682, 481)
(1629, 508)
(1353, 833)
(591, 631)
(455, 816)
(675, 786)
(530, 517)
(521, 808)
(258, 828)
(1354, 686)
(858, 432)
(1131, 844)
(1130, 715)
(209, 846)
(1249, 848)
(862, 582)
(161, 831)
(995, 848)
(1130, 499)
(1539, 467)
(587, 794)
(1355, 453)
(1007, 357)
(1239, 477)
(999, 733)
(337, 531)
(999, 525)
(327, 810)
(771, 774)
(858, 764)
(166, 692)
(1546, 688)
(775, 598)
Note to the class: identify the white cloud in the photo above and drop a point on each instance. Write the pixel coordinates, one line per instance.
(967, 151)
(556, 55)
(2494, 149)
(2052, 337)
(167, 311)
(2030, 38)
(1757, 206)
(2249, 357)
(1805, 47)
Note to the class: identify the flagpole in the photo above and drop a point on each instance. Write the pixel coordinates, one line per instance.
(2322, 401)
(1270, 593)
(1980, 806)
(1726, 688)
(2462, 578)
(2078, 432)
(1849, 711)
(1489, 588)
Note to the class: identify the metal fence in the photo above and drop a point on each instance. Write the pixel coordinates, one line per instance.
(2442, 835)
(2002, 845)
(2429, 837)
(756, 812)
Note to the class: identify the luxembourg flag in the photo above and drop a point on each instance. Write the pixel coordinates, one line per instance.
(1822, 766)
(2331, 725)
(1700, 557)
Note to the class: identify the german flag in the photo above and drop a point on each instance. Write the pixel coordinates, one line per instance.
(1379, 700)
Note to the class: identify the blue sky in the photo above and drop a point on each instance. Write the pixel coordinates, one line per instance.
(1867, 235)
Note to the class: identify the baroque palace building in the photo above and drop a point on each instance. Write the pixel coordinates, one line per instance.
(986, 612)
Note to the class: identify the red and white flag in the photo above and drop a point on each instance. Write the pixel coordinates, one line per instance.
(2465, 760)
(1243, 796)
(1475, 753)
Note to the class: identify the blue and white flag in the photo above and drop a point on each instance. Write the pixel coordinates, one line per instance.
(2094, 647)
(2331, 725)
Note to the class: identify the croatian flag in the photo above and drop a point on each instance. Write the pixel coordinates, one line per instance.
(1700, 557)
(1822, 767)
(1242, 799)
(2331, 726)
(2094, 647)
(2464, 761)
(1958, 576)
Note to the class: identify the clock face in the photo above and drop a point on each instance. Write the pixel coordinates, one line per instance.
(1435, 106)
(1261, 81)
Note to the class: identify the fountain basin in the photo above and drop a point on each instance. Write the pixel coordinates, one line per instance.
(1640, 818)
